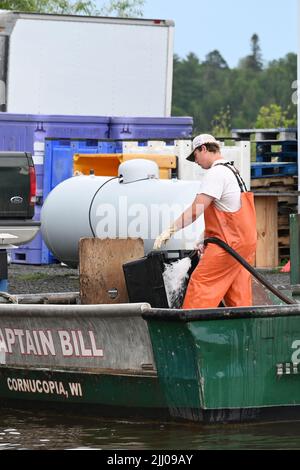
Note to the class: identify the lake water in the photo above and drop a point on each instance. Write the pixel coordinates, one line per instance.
(52, 431)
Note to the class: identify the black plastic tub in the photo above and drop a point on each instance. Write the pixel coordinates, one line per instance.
(144, 277)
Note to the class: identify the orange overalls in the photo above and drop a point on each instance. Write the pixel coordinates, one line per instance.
(218, 276)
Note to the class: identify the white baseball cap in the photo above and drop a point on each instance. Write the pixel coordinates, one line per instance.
(199, 140)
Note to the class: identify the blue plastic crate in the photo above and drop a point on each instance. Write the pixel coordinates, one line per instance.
(59, 154)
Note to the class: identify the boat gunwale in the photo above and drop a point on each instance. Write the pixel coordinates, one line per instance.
(221, 313)
(73, 311)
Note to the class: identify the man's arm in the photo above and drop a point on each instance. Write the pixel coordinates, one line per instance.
(200, 203)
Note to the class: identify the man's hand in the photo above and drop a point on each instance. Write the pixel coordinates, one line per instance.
(200, 248)
(164, 237)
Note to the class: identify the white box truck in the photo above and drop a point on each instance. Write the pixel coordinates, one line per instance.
(79, 65)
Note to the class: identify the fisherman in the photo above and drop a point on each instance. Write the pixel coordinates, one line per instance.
(229, 215)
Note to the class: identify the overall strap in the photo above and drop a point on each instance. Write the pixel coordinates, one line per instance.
(236, 173)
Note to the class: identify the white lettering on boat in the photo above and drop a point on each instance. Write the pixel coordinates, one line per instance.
(75, 389)
(47, 387)
(81, 344)
(296, 354)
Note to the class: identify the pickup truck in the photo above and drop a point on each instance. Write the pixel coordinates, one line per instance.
(17, 199)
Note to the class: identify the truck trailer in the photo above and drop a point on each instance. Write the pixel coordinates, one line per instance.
(82, 65)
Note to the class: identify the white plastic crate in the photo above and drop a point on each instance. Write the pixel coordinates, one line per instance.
(238, 153)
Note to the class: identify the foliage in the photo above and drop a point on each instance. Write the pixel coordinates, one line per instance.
(221, 123)
(272, 116)
(215, 59)
(125, 8)
(85, 7)
(253, 61)
(122, 8)
(219, 97)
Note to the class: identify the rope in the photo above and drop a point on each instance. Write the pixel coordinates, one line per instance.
(11, 299)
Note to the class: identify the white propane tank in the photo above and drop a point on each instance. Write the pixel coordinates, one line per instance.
(136, 204)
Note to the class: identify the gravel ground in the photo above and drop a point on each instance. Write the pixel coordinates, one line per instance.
(28, 279)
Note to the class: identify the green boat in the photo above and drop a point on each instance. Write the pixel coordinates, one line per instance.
(229, 365)
(131, 360)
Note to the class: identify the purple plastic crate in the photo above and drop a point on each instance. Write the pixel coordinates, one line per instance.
(39, 172)
(150, 128)
(18, 132)
(26, 256)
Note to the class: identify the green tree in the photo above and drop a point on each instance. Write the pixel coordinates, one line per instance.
(215, 59)
(123, 8)
(204, 90)
(221, 123)
(85, 7)
(254, 60)
(273, 116)
(277, 80)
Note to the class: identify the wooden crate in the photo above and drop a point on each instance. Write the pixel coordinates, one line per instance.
(284, 190)
(267, 231)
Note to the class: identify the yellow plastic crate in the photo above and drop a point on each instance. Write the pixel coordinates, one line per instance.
(107, 164)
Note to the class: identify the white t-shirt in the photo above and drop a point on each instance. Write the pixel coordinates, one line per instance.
(220, 183)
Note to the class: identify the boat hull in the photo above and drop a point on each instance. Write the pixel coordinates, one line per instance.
(228, 365)
(102, 393)
(201, 366)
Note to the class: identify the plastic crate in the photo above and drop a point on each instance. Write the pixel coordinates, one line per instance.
(26, 256)
(38, 256)
(144, 277)
(150, 128)
(26, 132)
(18, 132)
(39, 172)
(108, 164)
(59, 158)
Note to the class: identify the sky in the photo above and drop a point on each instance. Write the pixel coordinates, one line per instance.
(227, 25)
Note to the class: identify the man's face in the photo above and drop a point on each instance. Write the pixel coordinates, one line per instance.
(202, 157)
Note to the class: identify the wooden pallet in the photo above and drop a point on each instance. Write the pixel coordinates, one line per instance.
(283, 220)
(284, 182)
(266, 134)
(271, 170)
